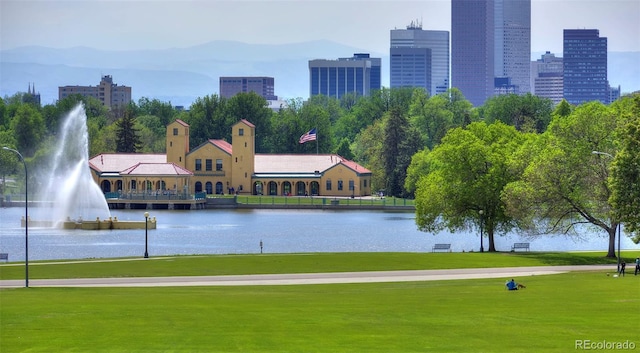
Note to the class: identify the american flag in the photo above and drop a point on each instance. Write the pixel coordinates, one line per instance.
(309, 136)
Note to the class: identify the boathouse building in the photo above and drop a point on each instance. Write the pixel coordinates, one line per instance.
(220, 167)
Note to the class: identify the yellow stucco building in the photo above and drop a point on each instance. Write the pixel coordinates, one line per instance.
(220, 167)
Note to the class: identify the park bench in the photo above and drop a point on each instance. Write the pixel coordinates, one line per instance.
(520, 246)
(441, 247)
(4, 256)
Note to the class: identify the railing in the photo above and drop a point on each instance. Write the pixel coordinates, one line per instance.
(322, 201)
(160, 195)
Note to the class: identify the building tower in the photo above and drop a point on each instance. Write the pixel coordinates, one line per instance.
(547, 75)
(418, 56)
(585, 66)
(334, 78)
(472, 49)
(243, 156)
(177, 143)
(512, 40)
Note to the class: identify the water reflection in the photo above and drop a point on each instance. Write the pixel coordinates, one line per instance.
(241, 231)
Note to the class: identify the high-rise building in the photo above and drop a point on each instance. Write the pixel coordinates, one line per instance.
(263, 86)
(334, 78)
(109, 93)
(512, 45)
(547, 74)
(585, 66)
(419, 58)
(472, 49)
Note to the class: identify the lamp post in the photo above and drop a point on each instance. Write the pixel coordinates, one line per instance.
(481, 212)
(619, 233)
(26, 217)
(146, 235)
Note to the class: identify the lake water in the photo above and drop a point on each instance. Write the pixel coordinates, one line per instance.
(241, 231)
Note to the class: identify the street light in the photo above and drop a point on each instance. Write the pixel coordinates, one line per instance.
(619, 232)
(26, 217)
(146, 236)
(481, 212)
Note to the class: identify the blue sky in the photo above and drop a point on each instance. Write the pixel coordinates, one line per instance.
(153, 24)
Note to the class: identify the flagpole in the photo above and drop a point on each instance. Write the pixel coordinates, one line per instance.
(316, 141)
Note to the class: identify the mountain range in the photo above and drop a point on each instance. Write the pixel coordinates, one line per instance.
(180, 75)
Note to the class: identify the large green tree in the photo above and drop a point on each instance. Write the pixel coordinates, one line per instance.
(625, 170)
(467, 173)
(564, 185)
(401, 141)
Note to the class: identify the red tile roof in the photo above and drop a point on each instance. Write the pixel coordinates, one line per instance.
(247, 123)
(182, 123)
(156, 169)
(302, 163)
(223, 145)
(117, 162)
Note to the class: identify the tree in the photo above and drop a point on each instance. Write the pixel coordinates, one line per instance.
(625, 173)
(368, 152)
(28, 128)
(208, 120)
(526, 112)
(467, 173)
(344, 149)
(400, 143)
(564, 184)
(127, 135)
(431, 117)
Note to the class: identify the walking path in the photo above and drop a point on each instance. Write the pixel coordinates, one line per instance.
(308, 278)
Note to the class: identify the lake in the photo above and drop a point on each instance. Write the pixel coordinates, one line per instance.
(228, 231)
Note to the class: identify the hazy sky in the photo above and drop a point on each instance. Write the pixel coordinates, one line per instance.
(152, 24)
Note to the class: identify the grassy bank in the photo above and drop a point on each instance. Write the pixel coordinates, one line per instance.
(297, 263)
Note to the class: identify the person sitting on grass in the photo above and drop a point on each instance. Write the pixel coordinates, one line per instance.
(512, 285)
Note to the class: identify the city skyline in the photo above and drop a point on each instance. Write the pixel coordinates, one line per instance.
(151, 24)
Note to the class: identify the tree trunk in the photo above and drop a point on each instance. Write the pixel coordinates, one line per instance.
(492, 245)
(612, 241)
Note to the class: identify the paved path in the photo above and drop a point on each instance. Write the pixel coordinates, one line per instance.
(307, 278)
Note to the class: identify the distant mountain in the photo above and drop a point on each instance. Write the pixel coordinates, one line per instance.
(180, 75)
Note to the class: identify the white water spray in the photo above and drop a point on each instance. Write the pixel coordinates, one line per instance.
(74, 193)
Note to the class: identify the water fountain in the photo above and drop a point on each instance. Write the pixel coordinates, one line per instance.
(77, 201)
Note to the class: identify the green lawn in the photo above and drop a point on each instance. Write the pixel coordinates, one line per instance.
(299, 263)
(445, 316)
(441, 316)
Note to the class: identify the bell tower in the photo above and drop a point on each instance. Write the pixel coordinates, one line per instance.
(177, 142)
(243, 156)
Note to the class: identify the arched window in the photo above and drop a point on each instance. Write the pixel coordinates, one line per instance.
(301, 188)
(273, 188)
(257, 188)
(133, 185)
(219, 188)
(209, 187)
(119, 185)
(286, 188)
(106, 186)
(198, 186)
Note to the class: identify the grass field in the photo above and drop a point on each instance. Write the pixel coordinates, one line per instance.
(441, 316)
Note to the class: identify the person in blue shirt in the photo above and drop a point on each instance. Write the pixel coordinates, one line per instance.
(637, 266)
(512, 285)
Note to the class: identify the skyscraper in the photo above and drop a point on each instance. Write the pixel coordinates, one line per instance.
(419, 58)
(585, 66)
(263, 86)
(472, 49)
(512, 51)
(547, 75)
(334, 78)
